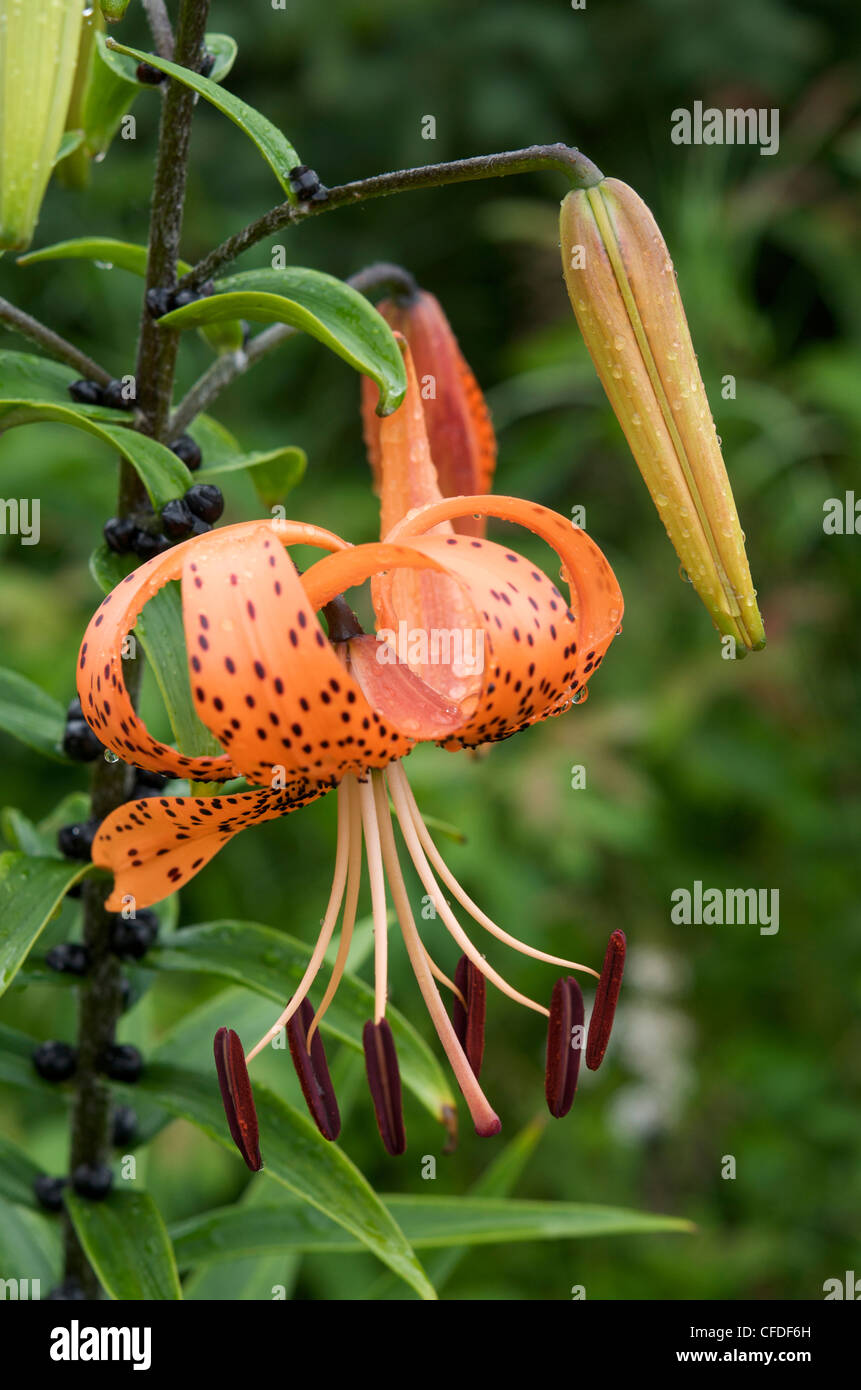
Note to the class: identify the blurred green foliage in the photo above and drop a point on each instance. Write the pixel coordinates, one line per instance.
(739, 775)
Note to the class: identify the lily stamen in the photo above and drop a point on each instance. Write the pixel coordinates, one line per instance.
(466, 902)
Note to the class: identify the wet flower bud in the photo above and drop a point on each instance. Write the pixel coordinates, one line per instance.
(38, 53)
(623, 290)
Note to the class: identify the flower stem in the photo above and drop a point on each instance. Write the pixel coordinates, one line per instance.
(580, 170)
(112, 783)
(53, 344)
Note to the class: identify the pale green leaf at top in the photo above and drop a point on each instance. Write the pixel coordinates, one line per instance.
(272, 144)
(127, 1244)
(163, 474)
(318, 304)
(31, 715)
(30, 890)
(297, 1156)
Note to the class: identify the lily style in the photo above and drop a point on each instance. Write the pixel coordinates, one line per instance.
(301, 708)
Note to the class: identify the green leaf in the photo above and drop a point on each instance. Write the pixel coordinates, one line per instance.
(110, 254)
(71, 141)
(26, 377)
(127, 1244)
(222, 46)
(18, 1172)
(163, 474)
(498, 1180)
(29, 1249)
(104, 250)
(40, 840)
(297, 1156)
(246, 1280)
(318, 304)
(427, 1222)
(272, 144)
(29, 714)
(30, 889)
(274, 473)
(272, 964)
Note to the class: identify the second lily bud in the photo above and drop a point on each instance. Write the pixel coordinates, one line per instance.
(623, 290)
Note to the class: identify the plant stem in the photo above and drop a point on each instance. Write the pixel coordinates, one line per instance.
(52, 342)
(580, 170)
(230, 365)
(160, 27)
(112, 783)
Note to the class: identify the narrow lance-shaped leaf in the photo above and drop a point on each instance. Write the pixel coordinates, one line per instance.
(127, 1244)
(30, 714)
(322, 306)
(163, 475)
(299, 1158)
(272, 144)
(30, 889)
(428, 1223)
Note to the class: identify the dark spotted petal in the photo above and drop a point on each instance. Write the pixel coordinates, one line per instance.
(384, 1079)
(606, 996)
(564, 1045)
(237, 1096)
(313, 1072)
(468, 1023)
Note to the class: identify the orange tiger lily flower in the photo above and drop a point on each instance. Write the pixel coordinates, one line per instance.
(300, 710)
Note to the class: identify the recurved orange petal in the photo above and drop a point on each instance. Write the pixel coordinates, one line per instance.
(101, 686)
(264, 677)
(540, 651)
(155, 845)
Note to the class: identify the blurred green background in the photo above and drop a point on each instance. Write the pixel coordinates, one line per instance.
(737, 774)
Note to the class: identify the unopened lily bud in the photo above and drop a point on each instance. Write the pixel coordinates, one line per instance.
(38, 53)
(623, 290)
(460, 434)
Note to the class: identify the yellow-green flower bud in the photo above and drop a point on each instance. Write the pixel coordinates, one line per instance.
(623, 290)
(38, 52)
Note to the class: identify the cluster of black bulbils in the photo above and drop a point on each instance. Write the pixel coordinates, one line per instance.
(148, 533)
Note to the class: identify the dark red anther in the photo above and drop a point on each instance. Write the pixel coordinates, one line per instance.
(606, 997)
(312, 1070)
(468, 1022)
(237, 1096)
(384, 1079)
(564, 1045)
